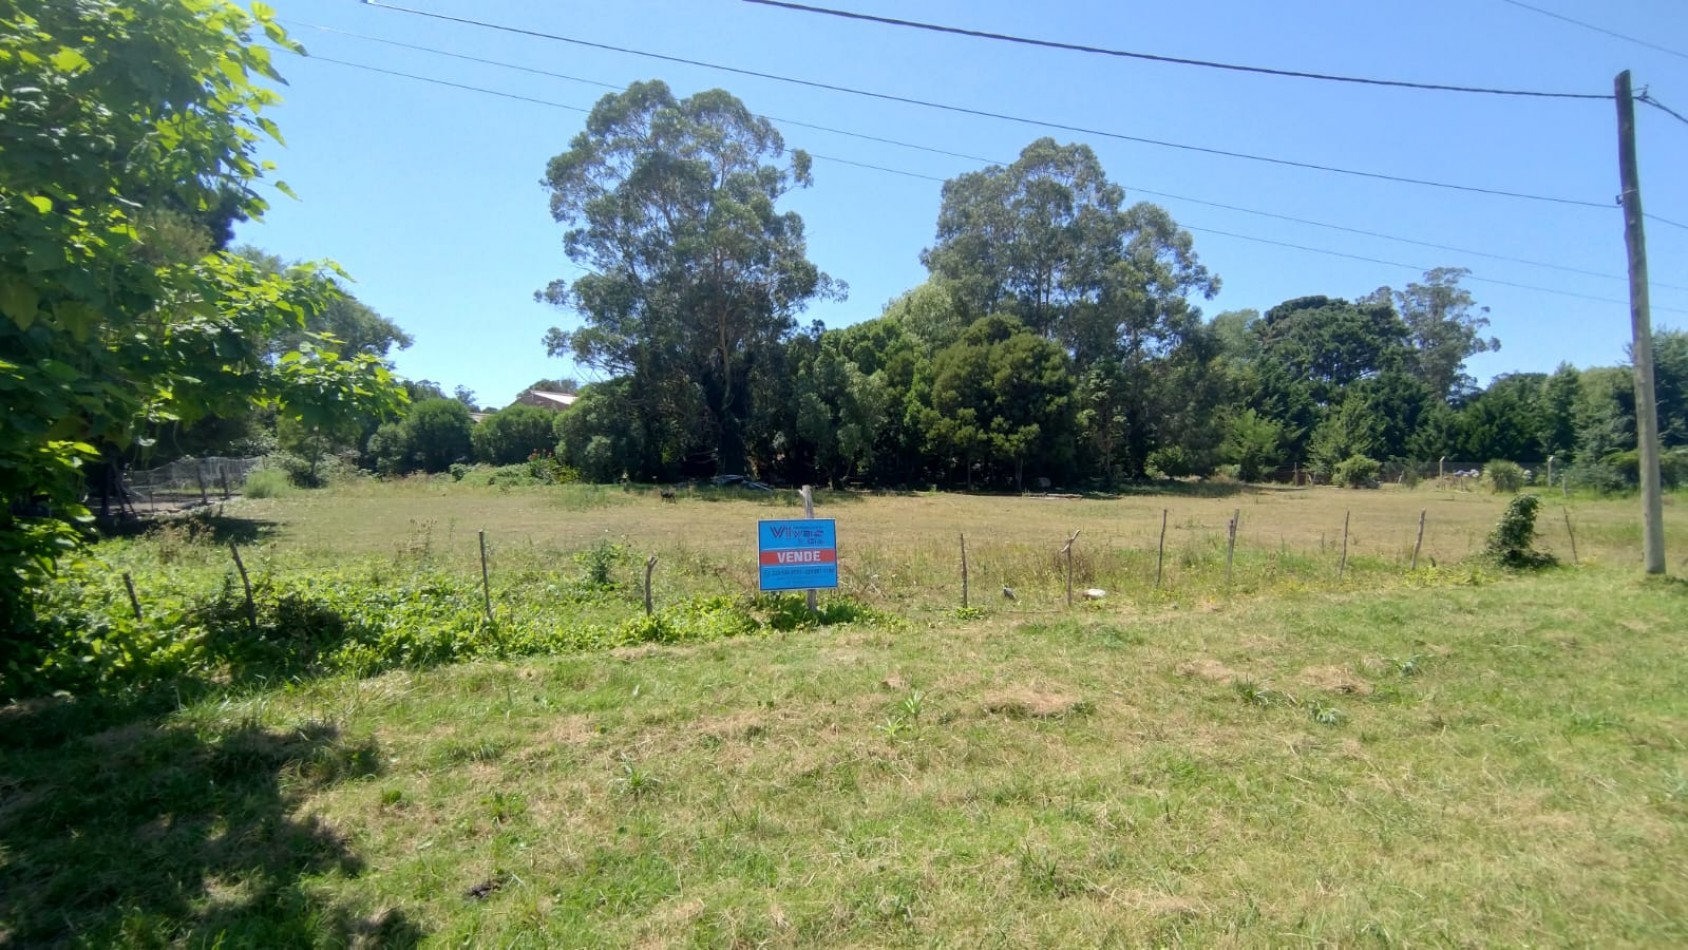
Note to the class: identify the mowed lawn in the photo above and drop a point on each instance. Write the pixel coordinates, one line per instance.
(1447, 757)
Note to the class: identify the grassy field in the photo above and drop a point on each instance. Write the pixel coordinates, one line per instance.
(902, 551)
(1451, 756)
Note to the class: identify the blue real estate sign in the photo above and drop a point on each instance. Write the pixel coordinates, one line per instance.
(798, 555)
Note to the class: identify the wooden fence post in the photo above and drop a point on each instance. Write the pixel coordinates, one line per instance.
(650, 565)
(1160, 556)
(964, 571)
(1572, 533)
(1067, 549)
(1419, 544)
(1231, 543)
(246, 582)
(134, 602)
(486, 579)
(1342, 568)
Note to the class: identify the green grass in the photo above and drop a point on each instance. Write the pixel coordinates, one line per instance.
(1491, 764)
(1452, 755)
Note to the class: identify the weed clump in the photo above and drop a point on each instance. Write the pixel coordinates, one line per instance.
(1511, 542)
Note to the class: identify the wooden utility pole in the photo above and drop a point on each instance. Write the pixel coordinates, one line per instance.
(1641, 329)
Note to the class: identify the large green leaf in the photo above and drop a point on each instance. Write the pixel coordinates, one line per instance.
(20, 302)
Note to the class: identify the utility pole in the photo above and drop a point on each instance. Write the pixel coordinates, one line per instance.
(1641, 328)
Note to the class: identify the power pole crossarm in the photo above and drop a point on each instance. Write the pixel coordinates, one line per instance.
(1640, 316)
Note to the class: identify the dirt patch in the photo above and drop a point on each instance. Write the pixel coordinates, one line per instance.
(1211, 670)
(1034, 704)
(1335, 679)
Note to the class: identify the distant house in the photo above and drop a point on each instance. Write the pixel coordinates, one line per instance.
(556, 402)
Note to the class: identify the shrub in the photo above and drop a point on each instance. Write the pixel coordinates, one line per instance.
(600, 438)
(1626, 467)
(1510, 543)
(1253, 442)
(294, 469)
(598, 563)
(438, 433)
(513, 435)
(1228, 473)
(267, 483)
(1504, 476)
(1597, 476)
(1357, 471)
(435, 434)
(1172, 461)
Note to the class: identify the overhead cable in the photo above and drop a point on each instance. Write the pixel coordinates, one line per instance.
(1597, 29)
(1175, 60)
(918, 175)
(988, 161)
(984, 113)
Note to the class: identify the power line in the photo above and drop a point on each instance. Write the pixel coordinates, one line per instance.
(1648, 99)
(1376, 260)
(441, 52)
(1597, 29)
(1022, 120)
(1566, 268)
(1160, 58)
(993, 161)
(910, 174)
(606, 85)
(561, 105)
(444, 82)
(1675, 224)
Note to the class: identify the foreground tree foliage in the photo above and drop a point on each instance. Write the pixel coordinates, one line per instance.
(127, 133)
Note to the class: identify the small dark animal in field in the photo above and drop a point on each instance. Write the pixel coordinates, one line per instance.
(1007, 592)
(667, 494)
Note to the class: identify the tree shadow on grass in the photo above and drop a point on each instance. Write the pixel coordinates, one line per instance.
(202, 525)
(123, 827)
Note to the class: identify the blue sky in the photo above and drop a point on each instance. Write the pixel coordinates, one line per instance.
(430, 195)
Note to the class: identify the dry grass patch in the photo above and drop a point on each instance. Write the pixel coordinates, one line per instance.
(1027, 703)
(1335, 679)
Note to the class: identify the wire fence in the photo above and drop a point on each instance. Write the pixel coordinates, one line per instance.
(186, 483)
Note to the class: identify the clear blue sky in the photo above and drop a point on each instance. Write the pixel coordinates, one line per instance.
(430, 195)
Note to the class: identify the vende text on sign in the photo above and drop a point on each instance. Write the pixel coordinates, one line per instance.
(797, 554)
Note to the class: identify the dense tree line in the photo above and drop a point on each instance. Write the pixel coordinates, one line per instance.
(1058, 336)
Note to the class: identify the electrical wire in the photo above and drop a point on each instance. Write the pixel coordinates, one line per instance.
(919, 147)
(1647, 98)
(1160, 58)
(1597, 29)
(606, 85)
(1565, 268)
(988, 161)
(561, 105)
(444, 82)
(1377, 260)
(918, 175)
(1022, 120)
